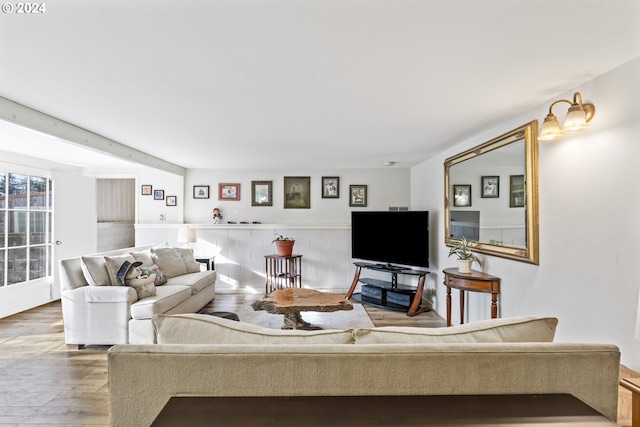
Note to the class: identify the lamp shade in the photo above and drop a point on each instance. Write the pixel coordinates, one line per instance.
(550, 128)
(187, 235)
(576, 119)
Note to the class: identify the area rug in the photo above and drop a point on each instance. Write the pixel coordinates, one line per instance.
(343, 319)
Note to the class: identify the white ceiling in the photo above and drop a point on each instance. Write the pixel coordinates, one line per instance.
(304, 83)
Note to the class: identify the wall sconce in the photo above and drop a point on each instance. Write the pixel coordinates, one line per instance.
(578, 116)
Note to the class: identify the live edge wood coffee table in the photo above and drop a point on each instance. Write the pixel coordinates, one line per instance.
(291, 301)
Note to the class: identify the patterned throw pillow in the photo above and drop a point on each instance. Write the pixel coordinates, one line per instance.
(161, 279)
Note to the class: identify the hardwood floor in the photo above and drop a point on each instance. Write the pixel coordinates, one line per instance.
(41, 383)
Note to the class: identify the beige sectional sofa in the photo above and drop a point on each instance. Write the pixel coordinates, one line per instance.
(199, 355)
(97, 309)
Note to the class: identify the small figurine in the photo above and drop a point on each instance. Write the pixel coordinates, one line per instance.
(217, 217)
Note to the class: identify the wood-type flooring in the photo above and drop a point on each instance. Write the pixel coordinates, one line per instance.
(43, 384)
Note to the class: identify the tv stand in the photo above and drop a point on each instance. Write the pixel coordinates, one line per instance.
(390, 294)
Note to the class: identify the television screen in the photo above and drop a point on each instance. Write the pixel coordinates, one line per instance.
(391, 237)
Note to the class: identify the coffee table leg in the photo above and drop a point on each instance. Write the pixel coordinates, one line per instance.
(295, 321)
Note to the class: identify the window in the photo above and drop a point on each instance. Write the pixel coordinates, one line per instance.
(26, 210)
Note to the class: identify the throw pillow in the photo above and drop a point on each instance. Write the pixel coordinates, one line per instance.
(143, 285)
(94, 269)
(144, 257)
(161, 279)
(113, 265)
(169, 261)
(189, 260)
(207, 329)
(514, 329)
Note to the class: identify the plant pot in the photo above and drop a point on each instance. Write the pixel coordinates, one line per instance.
(284, 247)
(464, 265)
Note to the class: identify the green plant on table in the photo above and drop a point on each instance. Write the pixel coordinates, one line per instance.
(462, 249)
(281, 238)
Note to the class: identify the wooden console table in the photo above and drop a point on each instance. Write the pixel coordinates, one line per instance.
(472, 282)
(282, 272)
(557, 410)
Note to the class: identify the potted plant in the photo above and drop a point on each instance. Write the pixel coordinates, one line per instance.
(462, 249)
(284, 245)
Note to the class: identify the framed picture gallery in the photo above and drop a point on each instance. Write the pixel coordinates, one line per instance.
(200, 191)
(172, 201)
(462, 195)
(158, 194)
(490, 187)
(261, 193)
(358, 196)
(330, 187)
(297, 192)
(228, 191)
(146, 190)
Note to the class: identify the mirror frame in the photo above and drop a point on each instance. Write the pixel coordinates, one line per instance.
(529, 254)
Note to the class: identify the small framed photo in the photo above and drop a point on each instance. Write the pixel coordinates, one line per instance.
(462, 195)
(172, 200)
(297, 192)
(146, 190)
(158, 195)
(261, 193)
(516, 191)
(200, 191)
(490, 187)
(330, 187)
(228, 191)
(358, 196)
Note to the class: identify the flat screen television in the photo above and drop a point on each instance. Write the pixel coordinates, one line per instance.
(391, 237)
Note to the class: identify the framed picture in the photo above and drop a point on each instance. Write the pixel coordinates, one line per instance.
(158, 195)
(200, 191)
(146, 190)
(261, 193)
(228, 191)
(297, 191)
(172, 200)
(516, 191)
(490, 186)
(358, 196)
(330, 187)
(462, 195)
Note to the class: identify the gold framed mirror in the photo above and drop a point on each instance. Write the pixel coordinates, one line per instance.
(491, 196)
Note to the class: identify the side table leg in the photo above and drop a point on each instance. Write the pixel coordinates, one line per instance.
(461, 306)
(448, 306)
(494, 305)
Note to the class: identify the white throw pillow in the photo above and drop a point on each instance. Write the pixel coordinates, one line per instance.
(169, 261)
(113, 265)
(514, 329)
(207, 329)
(189, 260)
(94, 269)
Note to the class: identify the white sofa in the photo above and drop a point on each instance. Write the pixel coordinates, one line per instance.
(200, 355)
(98, 312)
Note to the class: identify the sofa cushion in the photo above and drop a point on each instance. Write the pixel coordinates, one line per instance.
(189, 260)
(206, 329)
(169, 261)
(514, 329)
(144, 257)
(94, 269)
(113, 264)
(161, 279)
(165, 299)
(196, 281)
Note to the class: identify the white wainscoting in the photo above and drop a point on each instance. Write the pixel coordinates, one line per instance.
(240, 249)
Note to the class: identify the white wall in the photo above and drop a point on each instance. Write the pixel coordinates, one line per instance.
(589, 222)
(385, 187)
